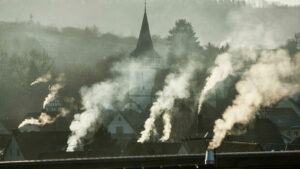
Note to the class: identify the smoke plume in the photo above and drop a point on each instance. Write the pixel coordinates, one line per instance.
(94, 100)
(272, 78)
(219, 73)
(54, 89)
(176, 86)
(226, 64)
(43, 79)
(43, 119)
(167, 126)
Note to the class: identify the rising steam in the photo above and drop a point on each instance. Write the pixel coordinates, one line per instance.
(272, 78)
(219, 73)
(43, 79)
(176, 87)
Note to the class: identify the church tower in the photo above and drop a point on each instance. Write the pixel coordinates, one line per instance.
(145, 63)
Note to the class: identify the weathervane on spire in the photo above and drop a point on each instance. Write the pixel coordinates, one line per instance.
(145, 5)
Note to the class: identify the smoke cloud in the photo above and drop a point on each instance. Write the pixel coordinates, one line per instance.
(176, 86)
(273, 77)
(43, 79)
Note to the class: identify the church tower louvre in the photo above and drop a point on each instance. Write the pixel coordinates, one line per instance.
(142, 77)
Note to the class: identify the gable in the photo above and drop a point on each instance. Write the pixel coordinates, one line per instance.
(32, 144)
(120, 122)
(13, 151)
(287, 103)
(183, 150)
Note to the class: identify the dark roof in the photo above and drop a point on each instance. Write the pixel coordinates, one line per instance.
(200, 146)
(134, 148)
(144, 45)
(65, 155)
(283, 117)
(4, 142)
(33, 143)
(136, 120)
(293, 104)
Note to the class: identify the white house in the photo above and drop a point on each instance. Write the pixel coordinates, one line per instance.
(119, 126)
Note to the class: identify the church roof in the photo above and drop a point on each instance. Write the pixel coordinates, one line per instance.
(144, 44)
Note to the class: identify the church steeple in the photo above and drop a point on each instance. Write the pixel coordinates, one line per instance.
(144, 43)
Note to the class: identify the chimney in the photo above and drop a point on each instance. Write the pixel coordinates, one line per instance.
(210, 158)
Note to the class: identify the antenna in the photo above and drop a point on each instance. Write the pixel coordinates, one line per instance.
(145, 5)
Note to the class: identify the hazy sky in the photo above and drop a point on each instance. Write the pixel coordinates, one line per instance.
(123, 17)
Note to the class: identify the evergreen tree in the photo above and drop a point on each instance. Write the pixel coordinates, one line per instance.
(182, 42)
(293, 45)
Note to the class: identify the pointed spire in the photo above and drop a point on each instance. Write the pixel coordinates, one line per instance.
(144, 42)
(145, 6)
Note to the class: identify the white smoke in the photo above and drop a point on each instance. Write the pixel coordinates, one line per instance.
(43, 79)
(94, 100)
(176, 86)
(43, 119)
(272, 78)
(167, 126)
(226, 64)
(219, 73)
(54, 89)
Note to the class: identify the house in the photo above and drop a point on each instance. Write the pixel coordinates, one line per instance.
(126, 125)
(288, 103)
(286, 119)
(119, 126)
(53, 106)
(29, 145)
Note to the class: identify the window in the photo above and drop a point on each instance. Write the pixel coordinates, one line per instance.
(295, 133)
